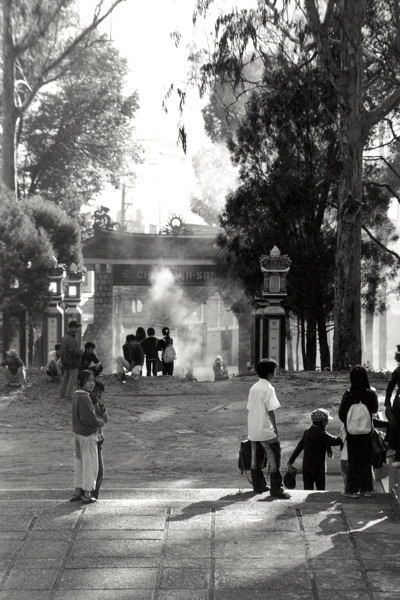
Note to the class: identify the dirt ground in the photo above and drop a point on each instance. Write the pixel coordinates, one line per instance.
(163, 432)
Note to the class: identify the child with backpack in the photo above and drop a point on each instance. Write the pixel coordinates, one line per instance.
(315, 444)
(168, 352)
(358, 405)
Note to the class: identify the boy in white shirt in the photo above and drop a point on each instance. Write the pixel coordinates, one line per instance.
(261, 404)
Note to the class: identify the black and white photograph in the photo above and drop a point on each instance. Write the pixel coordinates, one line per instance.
(200, 299)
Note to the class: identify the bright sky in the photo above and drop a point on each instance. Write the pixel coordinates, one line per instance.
(141, 30)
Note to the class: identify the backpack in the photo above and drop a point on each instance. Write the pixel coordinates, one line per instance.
(169, 354)
(358, 420)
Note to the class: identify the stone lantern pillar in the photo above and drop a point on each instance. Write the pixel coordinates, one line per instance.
(72, 298)
(53, 322)
(270, 318)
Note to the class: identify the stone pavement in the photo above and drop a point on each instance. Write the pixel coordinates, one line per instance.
(214, 544)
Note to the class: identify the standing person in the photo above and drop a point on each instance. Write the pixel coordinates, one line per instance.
(168, 352)
(102, 414)
(89, 360)
(315, 444)
(140, 335)
(261, 406)
(70, 360)
(358, 405)
(149, 346)
(393, 411)
(85, 426)
(14, 369)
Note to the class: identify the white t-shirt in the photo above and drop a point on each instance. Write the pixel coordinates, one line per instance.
(262, 398)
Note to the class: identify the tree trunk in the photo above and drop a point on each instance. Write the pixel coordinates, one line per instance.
(289, 344)
(383, 330)
(303, 341)
(311, 348)
(325, 355)
(297, 345)
(369, 337)
(347, 308)
(9, 110)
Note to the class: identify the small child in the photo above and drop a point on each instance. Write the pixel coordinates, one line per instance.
(315, 443)
(101, 413)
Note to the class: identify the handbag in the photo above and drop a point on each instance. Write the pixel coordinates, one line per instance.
(244, 461)
(289, 479)
(378, 449)
(159, 366)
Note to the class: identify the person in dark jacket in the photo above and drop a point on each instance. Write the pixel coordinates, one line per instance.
(315, 444)
(89, 360)
(393, 411)
(85, 425)
(132, 359)
(166, 340)
(70, 360)
(140, 334)
(359, 476)
(149, 347)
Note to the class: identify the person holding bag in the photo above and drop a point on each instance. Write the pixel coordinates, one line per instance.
(358, 405)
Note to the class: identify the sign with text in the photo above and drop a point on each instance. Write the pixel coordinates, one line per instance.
(200, 275)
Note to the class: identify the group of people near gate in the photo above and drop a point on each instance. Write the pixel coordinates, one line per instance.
(358, 414)
(159, 354)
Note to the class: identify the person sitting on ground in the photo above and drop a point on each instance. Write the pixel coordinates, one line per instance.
(89, 360)
(85, 425)
(358, 405)
(165, 345)
(149, 346)
(261, 406)
(132, 360)
(53, 368)
(14, 369)
(70, 360)
(220, 369)
(315, 444)
(102, 414)
(189, 375)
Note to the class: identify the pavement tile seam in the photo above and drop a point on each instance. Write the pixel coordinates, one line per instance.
(19, 550)
(307, 552)
(163, 553)
(211, 581)
(67, 555)
(358, 557)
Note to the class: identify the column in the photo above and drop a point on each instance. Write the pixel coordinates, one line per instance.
(103, 325)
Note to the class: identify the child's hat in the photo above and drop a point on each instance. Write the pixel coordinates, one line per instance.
(320, 414)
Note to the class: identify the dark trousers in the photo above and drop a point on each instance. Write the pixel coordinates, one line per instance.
(151, 367)
(100, 474)
(258, 480)
(359, 476)
(167, 368)
(311, 478)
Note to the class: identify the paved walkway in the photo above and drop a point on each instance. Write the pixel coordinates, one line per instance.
(198, 545)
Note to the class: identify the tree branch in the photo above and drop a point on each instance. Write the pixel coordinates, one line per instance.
(71, 47)
(32, 38)
(380, 244)
(373, 117)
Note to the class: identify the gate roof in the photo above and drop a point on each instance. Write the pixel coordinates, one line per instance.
(115, 245)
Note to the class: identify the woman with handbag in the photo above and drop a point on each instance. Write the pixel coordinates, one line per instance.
(358, 405)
